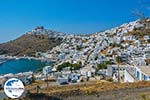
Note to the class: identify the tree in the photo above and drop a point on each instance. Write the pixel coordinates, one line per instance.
(63, 65)
(148, 40)
(33, 78)
(145, 6)
(119, 59)
(103, 65)
(138, 13)
(75, 66)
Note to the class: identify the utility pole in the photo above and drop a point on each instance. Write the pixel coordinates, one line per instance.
(47, 78)
(118, 73)
(117, 61)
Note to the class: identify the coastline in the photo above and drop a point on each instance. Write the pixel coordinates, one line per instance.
(8, 58)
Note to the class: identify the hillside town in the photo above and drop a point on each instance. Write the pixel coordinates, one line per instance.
(75, 50)
(121, 54)
(123, 50)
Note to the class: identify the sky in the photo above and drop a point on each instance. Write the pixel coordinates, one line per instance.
(68, 16)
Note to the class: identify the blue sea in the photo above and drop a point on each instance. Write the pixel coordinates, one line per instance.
(22, 65)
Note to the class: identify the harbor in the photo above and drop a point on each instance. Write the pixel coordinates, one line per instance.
(21, 65)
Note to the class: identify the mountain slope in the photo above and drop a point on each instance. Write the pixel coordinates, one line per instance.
(29, 44)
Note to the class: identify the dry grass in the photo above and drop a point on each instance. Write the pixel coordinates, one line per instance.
(145, 96)
(92, 88)
(89, 88)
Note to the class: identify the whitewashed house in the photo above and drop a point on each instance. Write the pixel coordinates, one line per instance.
(129, 75)
(146, 37)
(143, 73)
(48, 70)
(112, 71)
(147, 54)
(130, 37)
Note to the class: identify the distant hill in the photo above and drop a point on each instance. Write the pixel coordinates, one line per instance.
(29, 44)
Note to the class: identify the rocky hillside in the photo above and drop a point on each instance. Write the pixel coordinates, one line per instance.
(31, 43)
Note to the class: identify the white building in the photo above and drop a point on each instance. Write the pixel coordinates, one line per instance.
(113, 70)
(48, 70)
(129, 75)
(146, 37)
(137, 73)
(143, 73)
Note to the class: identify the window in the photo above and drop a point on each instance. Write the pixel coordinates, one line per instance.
(138, 74)
(145, 77)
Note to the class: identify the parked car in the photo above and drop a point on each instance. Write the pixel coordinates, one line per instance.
(62, 81)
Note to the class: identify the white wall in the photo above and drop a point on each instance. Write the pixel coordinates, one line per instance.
(128, 77)
(140, 73)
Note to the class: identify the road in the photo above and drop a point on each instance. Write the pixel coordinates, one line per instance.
(123, 94)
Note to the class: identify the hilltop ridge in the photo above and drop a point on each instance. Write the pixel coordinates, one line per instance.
(38, 40)
(41, 30)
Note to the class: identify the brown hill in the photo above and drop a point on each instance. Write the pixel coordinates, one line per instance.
(29, 44)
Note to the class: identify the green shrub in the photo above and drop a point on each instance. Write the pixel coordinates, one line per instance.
(103, 65)
(148, 40)
(119, 59)
(75, 66)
